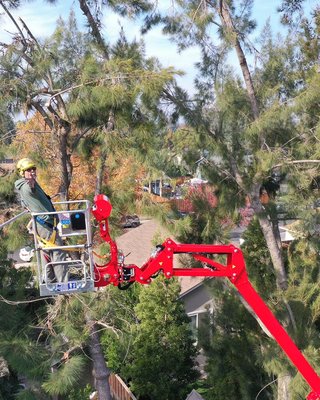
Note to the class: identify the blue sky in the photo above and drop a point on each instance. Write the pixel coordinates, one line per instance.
(41, 18)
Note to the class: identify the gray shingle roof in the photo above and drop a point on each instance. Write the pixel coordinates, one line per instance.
(194, 395)
(137, 244)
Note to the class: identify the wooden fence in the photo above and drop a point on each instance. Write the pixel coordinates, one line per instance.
(119, 390)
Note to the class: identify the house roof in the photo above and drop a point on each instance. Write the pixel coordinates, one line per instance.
(286, 234)
(189, 283)
(194, 395)
(137, 245)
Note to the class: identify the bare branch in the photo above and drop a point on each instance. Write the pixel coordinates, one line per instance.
(37, 131)
(107, 326)
(16, 303)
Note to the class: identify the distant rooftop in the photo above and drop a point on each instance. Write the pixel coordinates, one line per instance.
(194, 395)
(6, 164)
(7, 161)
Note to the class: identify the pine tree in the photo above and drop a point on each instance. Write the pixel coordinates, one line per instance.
(247, 126)
(34, 79)
(233, 368)
(163, 341)
(21, 357)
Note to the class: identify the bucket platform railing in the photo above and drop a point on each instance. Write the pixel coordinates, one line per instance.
(74, 223)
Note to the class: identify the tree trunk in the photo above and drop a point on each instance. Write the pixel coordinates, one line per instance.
(275, 252)
(101, 170)
(283, 387)
(66, 166)
(101, 372)
(271, 239)
(270, 230)
(62, 132)
(104, 153)
(226, 18)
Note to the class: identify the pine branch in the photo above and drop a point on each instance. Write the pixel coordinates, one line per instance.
(44, 115)
(24, 41)
(49, 77)
(94, 27)
(295, 162)
(45, 91)
(29, 33)
(61, 121)
(79, 136)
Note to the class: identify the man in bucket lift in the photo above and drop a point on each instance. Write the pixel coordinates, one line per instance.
(36, 200)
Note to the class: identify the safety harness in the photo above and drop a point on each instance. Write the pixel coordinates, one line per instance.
(51, 241)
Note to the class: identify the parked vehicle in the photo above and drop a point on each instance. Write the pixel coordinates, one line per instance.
(130, 221)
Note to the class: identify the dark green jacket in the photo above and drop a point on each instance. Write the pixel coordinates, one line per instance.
(35, 199)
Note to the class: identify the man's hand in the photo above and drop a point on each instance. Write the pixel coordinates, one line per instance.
(31, 177)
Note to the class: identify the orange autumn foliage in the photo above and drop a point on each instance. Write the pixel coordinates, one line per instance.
(34, 139)
(128, 172)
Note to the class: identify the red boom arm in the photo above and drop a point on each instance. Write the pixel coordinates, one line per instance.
(116, 273)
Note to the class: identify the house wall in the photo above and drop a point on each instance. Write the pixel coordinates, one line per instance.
(197, 300)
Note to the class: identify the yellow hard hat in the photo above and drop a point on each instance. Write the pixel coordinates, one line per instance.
(24, 164)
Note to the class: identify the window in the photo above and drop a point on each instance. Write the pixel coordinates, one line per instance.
(194, 324)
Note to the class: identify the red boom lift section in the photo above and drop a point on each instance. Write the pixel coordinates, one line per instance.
(117, 273)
